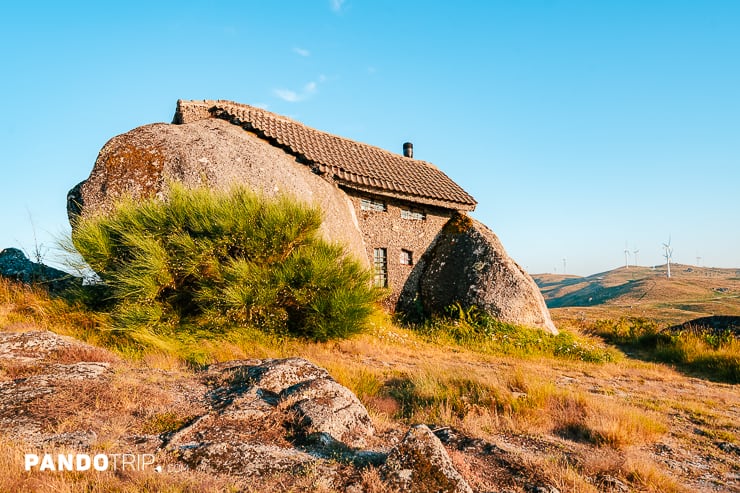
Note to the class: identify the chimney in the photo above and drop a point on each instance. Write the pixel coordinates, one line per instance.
(408, 149)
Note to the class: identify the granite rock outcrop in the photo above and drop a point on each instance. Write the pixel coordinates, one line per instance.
(248, 420)
(421, 463)
(213, 153)
(468, 265)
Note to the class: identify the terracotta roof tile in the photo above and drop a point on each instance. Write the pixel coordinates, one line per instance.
(351, 163)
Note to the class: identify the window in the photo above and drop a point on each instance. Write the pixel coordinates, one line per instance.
(372, 205)
(380, 267)
(413, 215)
(407, 258)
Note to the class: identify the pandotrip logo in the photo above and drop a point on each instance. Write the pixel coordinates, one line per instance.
(87, 462)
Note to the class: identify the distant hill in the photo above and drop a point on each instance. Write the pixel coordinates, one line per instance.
(691, 292)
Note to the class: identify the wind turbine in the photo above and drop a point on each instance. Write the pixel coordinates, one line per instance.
(564, 263)
(635, 254)
(668, 255)
(626, 256)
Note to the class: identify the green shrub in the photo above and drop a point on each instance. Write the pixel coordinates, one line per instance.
(713, 353)
(475, 329)
(203, 263)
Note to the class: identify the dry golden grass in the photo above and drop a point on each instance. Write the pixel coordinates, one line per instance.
(643, 471)
(594, 419)
(15, 479)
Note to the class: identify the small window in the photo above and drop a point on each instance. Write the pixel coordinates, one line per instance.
(380, 267)
(372, 205)
(413, 215)
(407, 257)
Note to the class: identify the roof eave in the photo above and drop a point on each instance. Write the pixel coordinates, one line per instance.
(417, 199)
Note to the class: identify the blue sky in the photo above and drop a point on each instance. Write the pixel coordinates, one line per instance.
(579, 126)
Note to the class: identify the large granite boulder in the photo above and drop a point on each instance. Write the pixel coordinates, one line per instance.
(467, 264)
(214, 153)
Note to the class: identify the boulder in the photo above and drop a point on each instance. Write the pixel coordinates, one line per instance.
(467, 264)
(329, 412)
(214, 153)
(277, 393)
(15, 265)
(278, 375)
(420, 463)
(30, 374)
(244, 459)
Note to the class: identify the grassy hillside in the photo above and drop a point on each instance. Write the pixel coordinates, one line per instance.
(691, 292)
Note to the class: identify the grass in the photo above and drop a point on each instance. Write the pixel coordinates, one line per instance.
(17, 480)
(459, 373)
(475, 330)
(714, 354)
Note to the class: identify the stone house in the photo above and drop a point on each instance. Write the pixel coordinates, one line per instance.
(400, 203)
(400, 216)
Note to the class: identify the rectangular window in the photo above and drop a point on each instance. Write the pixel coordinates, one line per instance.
(372, 205)
(380, 267)
(407, 257)
(413, 215)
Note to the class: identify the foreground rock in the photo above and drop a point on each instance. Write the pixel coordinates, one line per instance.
(244, 419)
(39, 366)
(257, 403)
(468, 265)
(420, 463)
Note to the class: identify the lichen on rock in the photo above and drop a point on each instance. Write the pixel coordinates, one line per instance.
(420, 463)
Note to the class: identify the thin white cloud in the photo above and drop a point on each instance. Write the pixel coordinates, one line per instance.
(306, 92)
(336, 5)
(301, 51)
(293, 96)
(287, 95)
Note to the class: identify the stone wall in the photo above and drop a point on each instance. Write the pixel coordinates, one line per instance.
(387, 229)
(192, 111)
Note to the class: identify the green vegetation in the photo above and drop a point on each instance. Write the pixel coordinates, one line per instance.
(165, 423)
(713, 353)
(205, 264)
(474, 329)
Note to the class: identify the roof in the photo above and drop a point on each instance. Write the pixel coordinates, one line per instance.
(352, 164)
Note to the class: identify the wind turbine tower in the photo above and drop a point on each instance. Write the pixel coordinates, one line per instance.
(635, 255)
(668, 255)
(626, 257)
(564, 264)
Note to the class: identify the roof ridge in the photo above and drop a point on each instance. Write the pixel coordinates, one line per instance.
(328, 134)
(348, 161)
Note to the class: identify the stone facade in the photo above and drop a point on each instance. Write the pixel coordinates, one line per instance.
(405, 237)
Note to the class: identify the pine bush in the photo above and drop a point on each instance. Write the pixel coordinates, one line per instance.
(209, 262)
